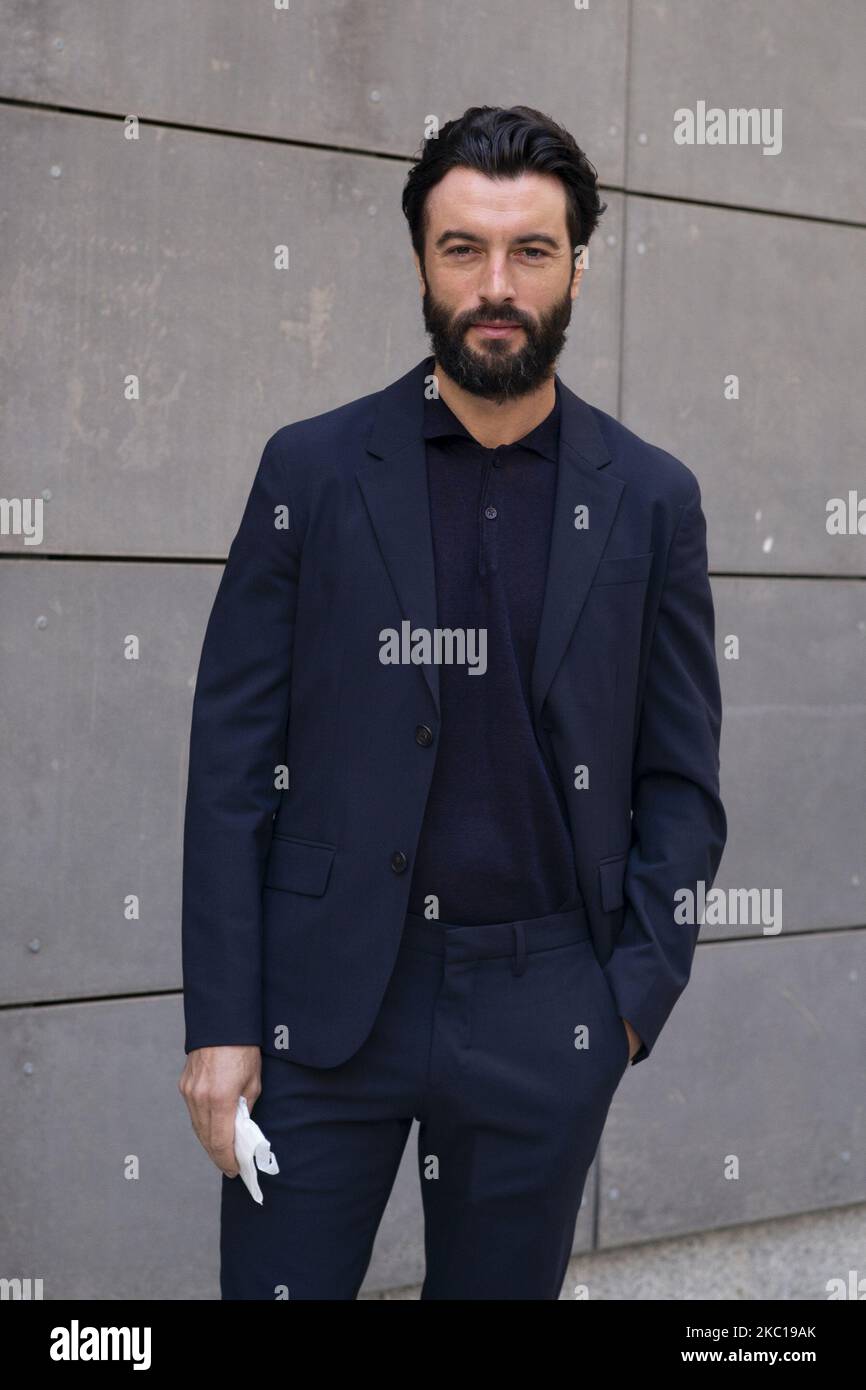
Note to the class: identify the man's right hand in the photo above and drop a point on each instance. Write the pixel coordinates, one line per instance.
(211, 1083)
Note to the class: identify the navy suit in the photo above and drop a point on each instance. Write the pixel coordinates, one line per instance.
(294, 899)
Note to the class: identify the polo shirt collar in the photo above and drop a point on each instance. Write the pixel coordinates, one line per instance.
(440, 422)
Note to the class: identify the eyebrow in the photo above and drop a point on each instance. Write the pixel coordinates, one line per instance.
(456, 234)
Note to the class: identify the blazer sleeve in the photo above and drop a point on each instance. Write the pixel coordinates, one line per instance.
(238, 738)
(678, 820)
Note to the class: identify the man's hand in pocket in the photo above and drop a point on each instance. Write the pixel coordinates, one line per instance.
(634, 1042)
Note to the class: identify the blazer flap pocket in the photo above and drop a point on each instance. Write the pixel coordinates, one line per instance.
(299, 866)
(611, 873)
(624, 569)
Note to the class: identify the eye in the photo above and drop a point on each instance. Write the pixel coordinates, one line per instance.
(454, 249)
(534, 251)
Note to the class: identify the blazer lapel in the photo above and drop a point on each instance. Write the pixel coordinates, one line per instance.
(574, 553)
(393, 480)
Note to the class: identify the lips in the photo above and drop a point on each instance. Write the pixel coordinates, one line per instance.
(496, 330)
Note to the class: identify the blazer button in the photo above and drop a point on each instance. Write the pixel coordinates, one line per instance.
(423, 735)
(398, 861)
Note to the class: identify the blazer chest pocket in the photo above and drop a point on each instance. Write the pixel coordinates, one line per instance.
(624, 569)
(611, 873)
(299, 866)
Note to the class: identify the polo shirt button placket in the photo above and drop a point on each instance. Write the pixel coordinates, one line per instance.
(491, 513)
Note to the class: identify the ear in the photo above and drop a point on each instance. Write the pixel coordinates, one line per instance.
(577, 277)
(419, 270)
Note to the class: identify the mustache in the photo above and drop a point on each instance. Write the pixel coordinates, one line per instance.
(469, 319)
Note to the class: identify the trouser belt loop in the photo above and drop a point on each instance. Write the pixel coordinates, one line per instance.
(518, 963)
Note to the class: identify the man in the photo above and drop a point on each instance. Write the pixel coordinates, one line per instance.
(454, 750)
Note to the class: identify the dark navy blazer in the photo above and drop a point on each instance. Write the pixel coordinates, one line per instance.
(294, 896)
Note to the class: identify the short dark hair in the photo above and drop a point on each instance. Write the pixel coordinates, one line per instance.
(502, 143)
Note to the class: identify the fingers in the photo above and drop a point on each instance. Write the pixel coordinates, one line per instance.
(221, 1136)
(211, 1083)
(251, 1094)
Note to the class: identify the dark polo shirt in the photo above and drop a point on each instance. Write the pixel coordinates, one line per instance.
(495, 843)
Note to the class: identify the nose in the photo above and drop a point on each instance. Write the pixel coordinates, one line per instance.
(495, 282)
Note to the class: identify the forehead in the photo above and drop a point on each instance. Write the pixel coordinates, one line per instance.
(469, 199)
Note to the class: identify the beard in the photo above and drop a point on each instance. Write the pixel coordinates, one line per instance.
(497, 371)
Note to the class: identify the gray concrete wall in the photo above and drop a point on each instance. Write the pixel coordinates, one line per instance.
(154, 257)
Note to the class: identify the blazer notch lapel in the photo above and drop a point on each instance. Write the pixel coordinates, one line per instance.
(586, 504)
(394, 488)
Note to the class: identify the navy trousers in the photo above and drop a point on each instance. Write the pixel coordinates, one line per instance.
(504, 1041)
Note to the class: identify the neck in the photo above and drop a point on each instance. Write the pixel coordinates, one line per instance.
(495, 423)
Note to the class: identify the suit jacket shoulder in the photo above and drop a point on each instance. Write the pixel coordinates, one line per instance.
(650, 468)
(308, 454)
